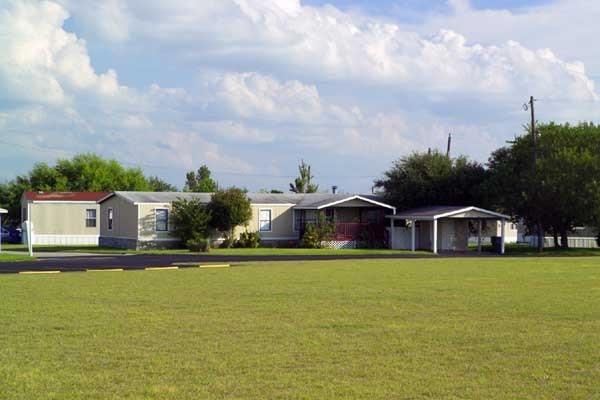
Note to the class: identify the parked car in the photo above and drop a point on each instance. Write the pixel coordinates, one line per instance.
(14, 236)
(11, 235)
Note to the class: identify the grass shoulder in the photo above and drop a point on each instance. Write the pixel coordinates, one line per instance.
(5, 257)
(261, 251)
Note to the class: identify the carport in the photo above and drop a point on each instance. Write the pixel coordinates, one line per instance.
(441, 228)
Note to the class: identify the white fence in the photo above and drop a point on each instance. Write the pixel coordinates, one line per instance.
(573, 241)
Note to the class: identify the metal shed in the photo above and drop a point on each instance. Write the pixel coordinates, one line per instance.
(441, 228)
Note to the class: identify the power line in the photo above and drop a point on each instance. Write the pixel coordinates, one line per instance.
(156, 166)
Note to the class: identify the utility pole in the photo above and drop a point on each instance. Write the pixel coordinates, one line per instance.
(449, 145)
(533, 130)
(539, 228)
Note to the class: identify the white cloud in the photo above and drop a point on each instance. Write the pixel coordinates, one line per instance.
(235, 131)
(288, 81)
(323, 43)
(253, 95)
(40, 61)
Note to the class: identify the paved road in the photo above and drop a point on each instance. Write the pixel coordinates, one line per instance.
(82, 263)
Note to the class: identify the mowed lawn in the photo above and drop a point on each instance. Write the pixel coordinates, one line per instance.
(489, 328)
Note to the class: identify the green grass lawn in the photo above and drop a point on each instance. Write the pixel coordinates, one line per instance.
(489, 328)
(14, 257)
(522, 249)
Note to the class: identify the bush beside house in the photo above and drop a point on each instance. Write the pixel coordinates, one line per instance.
(194, 221)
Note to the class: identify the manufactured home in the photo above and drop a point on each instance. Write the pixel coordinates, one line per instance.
(62, 218)
(135, 220)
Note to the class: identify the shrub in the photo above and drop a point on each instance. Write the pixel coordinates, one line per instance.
(198, 244)
(311, 238)
(317, 232)
(190, 219)
(248, 240)
(227, 242)
(229, 208)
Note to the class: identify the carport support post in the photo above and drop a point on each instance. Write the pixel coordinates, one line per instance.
(413, 229)
(502, 233)
(479, 235)
(435, 233)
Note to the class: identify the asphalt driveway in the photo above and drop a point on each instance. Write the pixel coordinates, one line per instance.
(133, 262)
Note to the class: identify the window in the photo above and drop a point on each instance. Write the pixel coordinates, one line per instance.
(110, 219)
(298, 219)
(162, 220)
(90, 218)
(264, 221)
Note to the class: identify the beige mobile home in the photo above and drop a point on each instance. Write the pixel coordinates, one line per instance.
(62, 218)
(141, 219)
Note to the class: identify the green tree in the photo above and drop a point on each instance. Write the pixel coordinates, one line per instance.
(303, 184)
(90, 172)
(426, 179)
(10, 199)
(158, 185)
(561, 189)
(272, 191)
(84, 172)
(200, 181)
(229, 208)
(190, 218)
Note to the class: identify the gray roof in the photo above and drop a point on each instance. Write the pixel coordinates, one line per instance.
(300, 200)
(431, 212)
(159, 197)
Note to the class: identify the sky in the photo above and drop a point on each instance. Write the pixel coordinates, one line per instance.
(252, 87)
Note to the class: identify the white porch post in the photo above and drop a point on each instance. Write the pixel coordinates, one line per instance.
(2, 211)
(391, 233)
(413, 229)
(435, 250)
(502, 234)
(479, 235)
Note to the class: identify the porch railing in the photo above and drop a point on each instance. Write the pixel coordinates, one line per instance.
(359, 231)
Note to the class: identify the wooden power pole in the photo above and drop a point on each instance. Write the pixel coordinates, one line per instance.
(534, 139)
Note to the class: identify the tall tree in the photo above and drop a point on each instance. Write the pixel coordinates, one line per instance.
(228, 209)
(84, 172)
(303, 184)
(200, 181)
(156, 184)
(90, 172)
(423, 179)
(561, 188)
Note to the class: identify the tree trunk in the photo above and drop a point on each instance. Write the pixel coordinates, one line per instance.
(564, 239)
(540, 237)
(555, 237)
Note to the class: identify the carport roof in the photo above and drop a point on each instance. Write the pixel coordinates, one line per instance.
(436, 212)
